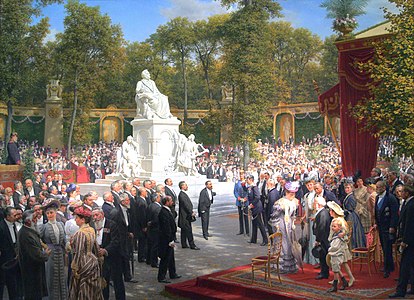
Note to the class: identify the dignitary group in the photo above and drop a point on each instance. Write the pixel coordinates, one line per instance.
(323, 220)
(60, 244)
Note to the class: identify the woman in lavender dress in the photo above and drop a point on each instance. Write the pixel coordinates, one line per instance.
(283, 218)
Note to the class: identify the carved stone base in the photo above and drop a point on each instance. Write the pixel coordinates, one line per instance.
(157, 139)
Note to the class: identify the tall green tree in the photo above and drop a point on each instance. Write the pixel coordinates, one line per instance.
(207, 42)
(22, 49)
(87, 49)
(247, 65)
(390, 110)
(178, 38)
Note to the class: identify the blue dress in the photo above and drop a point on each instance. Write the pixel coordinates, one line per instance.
(358, 238)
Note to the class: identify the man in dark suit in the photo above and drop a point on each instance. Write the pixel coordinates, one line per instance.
(153, 231)
(185, 216)
(108, 238)
(148, 185)
(141, 223)
(406, 233)
(29, 189)
(272, 196)
(256, 208)
(386, 220)
(108, 204)
(116, 188)
(221, 173)
(204, 202)
(18, 193)
(169, 191)
(13, 154)
(320, 229)
(120, 215)
(327, 195)
(393, 181)
(168, 231)
(8, 238)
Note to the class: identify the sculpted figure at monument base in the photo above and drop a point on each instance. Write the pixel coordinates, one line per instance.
(128, 159)
(150, 102)
(189, 151)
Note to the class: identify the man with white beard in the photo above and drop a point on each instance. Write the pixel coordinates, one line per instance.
(32, 258)
(121, 216)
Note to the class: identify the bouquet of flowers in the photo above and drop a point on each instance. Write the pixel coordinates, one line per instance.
(346, 22)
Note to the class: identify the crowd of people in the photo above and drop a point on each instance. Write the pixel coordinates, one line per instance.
(46, 222)
(336, 214)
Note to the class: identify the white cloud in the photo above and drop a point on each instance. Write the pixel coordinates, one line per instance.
(51, 35)
(192, 9)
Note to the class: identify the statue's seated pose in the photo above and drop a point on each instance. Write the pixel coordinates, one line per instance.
(150, 102)
(129, 161)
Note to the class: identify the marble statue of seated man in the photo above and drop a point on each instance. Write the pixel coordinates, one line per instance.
(150, 102)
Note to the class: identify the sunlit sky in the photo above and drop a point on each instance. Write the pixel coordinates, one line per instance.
(140, 18)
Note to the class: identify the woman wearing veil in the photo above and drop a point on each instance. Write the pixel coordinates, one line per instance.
(283, 219)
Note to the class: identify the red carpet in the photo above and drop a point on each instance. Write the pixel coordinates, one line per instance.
(235, 283)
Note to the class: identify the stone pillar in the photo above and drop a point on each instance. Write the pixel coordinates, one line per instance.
(157, 139)
(54, 115)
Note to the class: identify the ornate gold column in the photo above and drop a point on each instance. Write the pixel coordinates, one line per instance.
(54, 115)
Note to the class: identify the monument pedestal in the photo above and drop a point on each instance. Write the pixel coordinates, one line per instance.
(158, 142)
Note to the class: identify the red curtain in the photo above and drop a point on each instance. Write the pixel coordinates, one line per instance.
(359, 148)
(329, 102)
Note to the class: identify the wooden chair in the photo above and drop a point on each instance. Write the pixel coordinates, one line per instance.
(274, 249)
(366, 255)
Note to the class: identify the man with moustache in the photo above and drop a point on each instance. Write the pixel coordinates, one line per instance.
(108, 204)
(168, 230)
(204, 202)
(107, 237)
(153, 231)
(386, 220)
(406, 234)
(120, 215)
(141, 223)
(272, 196)
(8, 238)
(169, 191)
(256, 208)
(32, 258)
(29, 189)
(320, 229)
(185, 217)
(241, 203)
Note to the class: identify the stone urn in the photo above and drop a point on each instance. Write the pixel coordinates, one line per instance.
(345, 31)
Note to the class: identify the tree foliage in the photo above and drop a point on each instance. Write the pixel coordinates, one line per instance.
(338, 9)
(86, 51)
(390, 110)
(247, 66)
(22, 55)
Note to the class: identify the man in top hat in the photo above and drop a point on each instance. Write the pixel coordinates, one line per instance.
(321, 228)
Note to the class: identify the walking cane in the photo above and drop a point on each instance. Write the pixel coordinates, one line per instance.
(131, 256)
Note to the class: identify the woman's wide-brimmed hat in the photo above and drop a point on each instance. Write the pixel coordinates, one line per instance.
(82, 211)
(292, 186)
(335, 207)
(51, 203)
